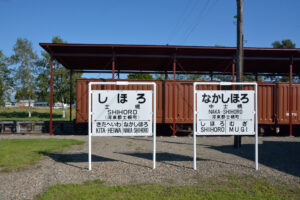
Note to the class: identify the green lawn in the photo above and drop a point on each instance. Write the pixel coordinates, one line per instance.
(19, 153)
(228, 188)
(37, 114)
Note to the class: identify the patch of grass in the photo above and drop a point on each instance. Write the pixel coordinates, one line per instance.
(227, 189)
(19, 153)
(37, 114)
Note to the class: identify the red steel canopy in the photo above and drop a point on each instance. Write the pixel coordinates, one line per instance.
(160, 58)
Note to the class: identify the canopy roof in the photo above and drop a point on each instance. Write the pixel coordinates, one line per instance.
(160, 58)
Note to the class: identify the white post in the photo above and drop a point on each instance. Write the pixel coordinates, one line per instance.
(154, 126)
(29, 107)
(89, 128)
(63, 108)
(194, 127)
(256, 130)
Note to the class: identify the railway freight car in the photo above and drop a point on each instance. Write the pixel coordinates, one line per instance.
(175, 104)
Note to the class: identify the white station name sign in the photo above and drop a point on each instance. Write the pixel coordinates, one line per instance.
(122, 112)
(225, 112)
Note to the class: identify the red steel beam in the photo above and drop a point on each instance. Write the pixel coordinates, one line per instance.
(123, 55)
(291, 97)
(51, 96)
(174, 97)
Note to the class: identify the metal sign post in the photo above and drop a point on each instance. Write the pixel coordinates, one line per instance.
(225, 112)
(122, 113)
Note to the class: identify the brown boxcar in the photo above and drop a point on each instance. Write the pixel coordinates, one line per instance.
(170, 96)
(266, 103)
(283, 101)
(273, 100)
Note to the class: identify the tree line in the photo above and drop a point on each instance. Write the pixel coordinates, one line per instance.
(26, 75)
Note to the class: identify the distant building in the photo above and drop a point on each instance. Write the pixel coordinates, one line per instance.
(59, 105)
(25, 103)
(41, 104)
(9, 104)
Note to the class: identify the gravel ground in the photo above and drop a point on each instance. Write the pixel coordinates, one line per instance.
(123, 160)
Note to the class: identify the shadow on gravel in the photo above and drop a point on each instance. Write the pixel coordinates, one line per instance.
(162, 141)
(279, 155)
(173, 157)
(161, 156)
(75, 158)
(67, 159)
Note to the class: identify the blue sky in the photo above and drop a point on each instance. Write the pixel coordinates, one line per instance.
(173, 22)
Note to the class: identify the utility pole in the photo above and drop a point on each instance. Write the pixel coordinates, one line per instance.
(239, 56)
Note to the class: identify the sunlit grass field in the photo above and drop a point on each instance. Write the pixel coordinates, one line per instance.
(228, 188)
(37, 114)
(20, 153)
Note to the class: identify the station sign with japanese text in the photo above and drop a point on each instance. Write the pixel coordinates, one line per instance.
(225, 112)
(122, 112)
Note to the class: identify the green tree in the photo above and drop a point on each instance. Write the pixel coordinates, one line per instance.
(61, 79)
(160, 76)
(24, 58)
(1, 91)
(140, 76)
(284, 44)
(194, 77)
(43, 78)
(252, 78)
(5, 79)
(183, 77)
(222, 77)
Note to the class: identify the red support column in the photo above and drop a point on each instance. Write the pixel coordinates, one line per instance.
(71, 93)
(291, 98)
(51, 96)
(113, 68)
(233, 73)
(174, 97)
